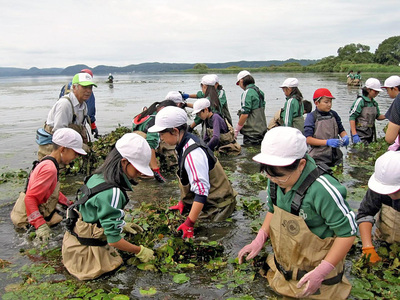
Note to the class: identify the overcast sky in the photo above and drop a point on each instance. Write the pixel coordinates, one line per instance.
(51, 33)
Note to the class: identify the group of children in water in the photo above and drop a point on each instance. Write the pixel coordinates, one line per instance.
(309, 222)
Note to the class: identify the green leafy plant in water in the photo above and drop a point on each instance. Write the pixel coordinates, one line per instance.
(252, 206)
(381, 280)
(16, 176)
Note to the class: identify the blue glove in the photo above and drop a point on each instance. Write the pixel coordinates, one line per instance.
(356, 139)
(334, 143)
(184, 95)
(345, 140)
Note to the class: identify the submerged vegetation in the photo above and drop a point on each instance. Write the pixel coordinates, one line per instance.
(200, 262)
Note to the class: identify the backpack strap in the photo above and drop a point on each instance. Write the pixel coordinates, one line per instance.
(189, 149)
(260, 95)
(36, 162)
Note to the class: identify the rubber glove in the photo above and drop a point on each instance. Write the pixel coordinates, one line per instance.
(356, 139)
(187, 228)
(373, 256)
(345, 140)
(396, 145)
(43, 233)
(254, 247)
(190, 129)
(314, 278)
(237, 129)
(132, 228)
(184, 95)
(180, 206)
(334, 143)
(95, 131)
(158, 176)
(145, 254)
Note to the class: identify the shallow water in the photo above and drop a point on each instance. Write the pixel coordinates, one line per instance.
(25, 102)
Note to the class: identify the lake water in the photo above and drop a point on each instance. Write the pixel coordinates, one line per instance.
(25, 102)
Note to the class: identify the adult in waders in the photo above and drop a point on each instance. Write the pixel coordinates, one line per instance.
(364, 111)
(219, 134)
(205, 189)
(392, 86)
(252, 121)
(95, 222)
(37, 205)
(69, 111)
(141, 124)
(91, 104)
(208, 92)
(310, 224)
(293, 110)
(382, 199)
(324, 130)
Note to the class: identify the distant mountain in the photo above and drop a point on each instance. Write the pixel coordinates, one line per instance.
(151, 67)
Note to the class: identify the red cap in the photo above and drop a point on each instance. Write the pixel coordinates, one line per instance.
(87, 71)
(322, 93)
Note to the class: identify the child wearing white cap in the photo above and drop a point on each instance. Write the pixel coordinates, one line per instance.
(392, 86)
(252, 122)
(141, 123)
(310, 224)
(293, 110)
(219, 135)
(382, 198)
(214, 92)
(364, 111)
(88, 249)
(38, 206)
(205, 188)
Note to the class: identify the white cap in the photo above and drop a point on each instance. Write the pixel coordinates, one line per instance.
(392, 81)
(200, 104)
(137, 151)
(69, 138)
(386, 178)
(175, 96)
(216, 78)
(169, 117)
(373, 84)
(208, 80)
(281, 146)
(290, 82)
(241, 75)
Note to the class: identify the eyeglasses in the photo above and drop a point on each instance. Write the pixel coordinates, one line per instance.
(275, 178)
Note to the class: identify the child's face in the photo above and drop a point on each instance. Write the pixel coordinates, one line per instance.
(324, 104)
(392, 92)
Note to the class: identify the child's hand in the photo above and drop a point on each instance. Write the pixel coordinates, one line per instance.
(334, 143)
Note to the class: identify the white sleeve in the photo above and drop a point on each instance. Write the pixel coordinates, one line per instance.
(196, 166)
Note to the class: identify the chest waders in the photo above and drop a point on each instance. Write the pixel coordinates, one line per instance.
(85, 251)
(298, 251)
(227, 142)
(47, 209)
(255, 126)
(388, 225)
(221, 200)
(325, 128)
(365, 124)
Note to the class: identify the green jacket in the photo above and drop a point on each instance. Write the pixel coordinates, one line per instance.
(324, 208)
(293, 108)
(250, 100)
(106, 208)
(359, 104)
(153, 138)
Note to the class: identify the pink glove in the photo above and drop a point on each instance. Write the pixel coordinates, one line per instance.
(255, 247)
(179, 207)
(237, 129)
(187, 228)
(314, 278)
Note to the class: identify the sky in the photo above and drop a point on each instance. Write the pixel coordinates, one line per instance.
(51, 33)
